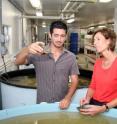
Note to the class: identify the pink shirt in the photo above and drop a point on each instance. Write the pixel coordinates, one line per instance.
(104, 81)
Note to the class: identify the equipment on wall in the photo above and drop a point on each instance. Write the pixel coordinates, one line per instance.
(3, 49)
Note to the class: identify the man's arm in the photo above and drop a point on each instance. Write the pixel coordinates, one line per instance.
(34, 48)
(73, 87)
(67, 100)
(21, 58)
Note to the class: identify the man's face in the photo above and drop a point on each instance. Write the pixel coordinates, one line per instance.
(58, 37)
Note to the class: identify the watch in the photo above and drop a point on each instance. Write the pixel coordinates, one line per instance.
(107, 108)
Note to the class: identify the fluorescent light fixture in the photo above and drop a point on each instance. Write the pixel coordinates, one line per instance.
(39, 13)
(101, 26)
(43, 24)
(104, 1)
(36, 4)
(70, 20)
(91, 28)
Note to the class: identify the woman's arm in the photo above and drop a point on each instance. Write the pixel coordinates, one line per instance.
(95, 109)
(88, 96)
(112, 104)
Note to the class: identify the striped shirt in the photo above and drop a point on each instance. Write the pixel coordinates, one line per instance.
(52, 76)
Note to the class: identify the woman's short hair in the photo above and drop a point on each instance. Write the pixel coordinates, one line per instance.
(108, 34)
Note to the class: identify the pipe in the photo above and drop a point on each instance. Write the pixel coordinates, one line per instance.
(66, 6)
(80, 6)
(42, 17)
(73, 6)
(70, 11)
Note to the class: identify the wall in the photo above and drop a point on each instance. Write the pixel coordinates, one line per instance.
(115, 20)
(11, 17)
(41, 32)
(115, 24)
(0, 15)
(0, 32)
(20, 33)
(26, 32)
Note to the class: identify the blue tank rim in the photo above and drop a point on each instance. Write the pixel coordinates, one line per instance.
(44, 108)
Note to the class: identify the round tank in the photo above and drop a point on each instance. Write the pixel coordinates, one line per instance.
(45, 109)
(16, 94)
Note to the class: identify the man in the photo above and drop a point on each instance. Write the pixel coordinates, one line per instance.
(54, 68)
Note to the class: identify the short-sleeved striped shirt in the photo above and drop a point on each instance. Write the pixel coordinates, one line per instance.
(53, 76)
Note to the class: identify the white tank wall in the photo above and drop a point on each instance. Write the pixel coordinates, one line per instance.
(16, 96)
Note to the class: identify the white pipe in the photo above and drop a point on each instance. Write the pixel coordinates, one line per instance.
(80, 6)
(45, 17)
(70, 11)
(73, 5)
(66, 6)
(42, 17)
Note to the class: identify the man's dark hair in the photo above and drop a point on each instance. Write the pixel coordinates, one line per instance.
(58, 24)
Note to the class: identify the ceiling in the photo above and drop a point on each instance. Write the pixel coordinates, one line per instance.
(86, 12)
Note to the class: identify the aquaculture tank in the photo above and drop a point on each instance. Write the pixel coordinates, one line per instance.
(18, 88)
(19, 103)
(45, 113)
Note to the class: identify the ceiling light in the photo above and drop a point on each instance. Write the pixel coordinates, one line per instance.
(91, 28)
(101, 26)
(36, 4)
(39, 13)
(70, 20)
(43, 24)
(104, 1)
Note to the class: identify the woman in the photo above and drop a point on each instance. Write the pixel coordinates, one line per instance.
(102, 91)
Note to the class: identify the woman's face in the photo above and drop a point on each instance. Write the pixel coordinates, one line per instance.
(101, 44)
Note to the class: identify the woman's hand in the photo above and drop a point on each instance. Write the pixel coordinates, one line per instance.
(84, 101)
(93, 110)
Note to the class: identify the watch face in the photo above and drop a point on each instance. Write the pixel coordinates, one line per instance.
(107, 108)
